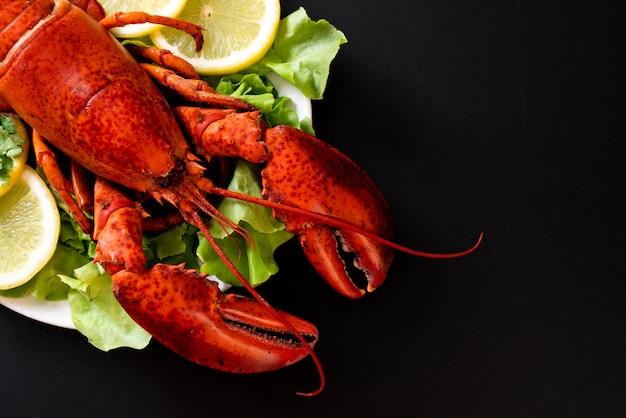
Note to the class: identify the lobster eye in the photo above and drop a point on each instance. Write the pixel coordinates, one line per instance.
(165, 182)
(173, 176)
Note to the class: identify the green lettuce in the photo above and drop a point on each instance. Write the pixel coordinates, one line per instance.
(302, 53)
(255, 259)
(260, 92)
(97, 314)
(10, 147)
(174, 246)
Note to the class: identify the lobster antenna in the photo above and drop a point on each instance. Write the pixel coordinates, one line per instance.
(340, 224)
(223, 221)
(218, 250)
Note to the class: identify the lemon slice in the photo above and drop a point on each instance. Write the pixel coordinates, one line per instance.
(20, 162)
(236, 34)
(29, 229)
(167, 8)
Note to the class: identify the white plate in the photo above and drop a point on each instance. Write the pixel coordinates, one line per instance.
(58, 313)
(299, 102)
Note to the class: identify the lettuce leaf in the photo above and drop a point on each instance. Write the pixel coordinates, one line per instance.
(97, 314)
(174, 246)
(261, 93)
(302, 53)
(245, 180)
(255, 260)
(47, 284)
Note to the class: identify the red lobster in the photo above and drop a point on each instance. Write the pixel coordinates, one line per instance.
(105, 113)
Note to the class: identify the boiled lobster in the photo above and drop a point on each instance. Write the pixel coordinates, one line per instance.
(104, 111)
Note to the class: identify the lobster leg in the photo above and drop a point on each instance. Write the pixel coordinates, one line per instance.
(4, 106)
(47, 160)
(92, 7)
(193, 89)
(160, 56)
(118, 229)
(82, 187)
(130, 18)
(165, 58)
(225, 133)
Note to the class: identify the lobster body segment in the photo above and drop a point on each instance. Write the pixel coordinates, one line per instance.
(100, 91)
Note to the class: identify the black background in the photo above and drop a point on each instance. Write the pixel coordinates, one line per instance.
(502, 117)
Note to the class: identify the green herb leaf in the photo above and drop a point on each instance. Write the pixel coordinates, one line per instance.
(10, 147)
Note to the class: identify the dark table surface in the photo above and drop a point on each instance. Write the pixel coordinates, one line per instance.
(502, 117)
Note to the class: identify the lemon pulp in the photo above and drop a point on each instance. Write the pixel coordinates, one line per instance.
(29, 229)
(237, 33)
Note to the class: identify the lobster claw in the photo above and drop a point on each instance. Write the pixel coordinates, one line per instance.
(307, 173)
(187, 313)
(224, 132)
(117, 229)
